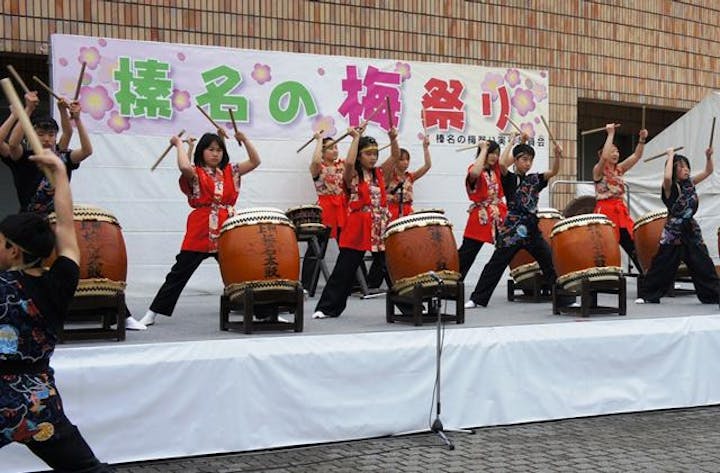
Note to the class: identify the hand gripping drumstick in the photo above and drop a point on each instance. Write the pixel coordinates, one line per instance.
(596, 130)
(660, 155)
(309, 141)
(167, 150)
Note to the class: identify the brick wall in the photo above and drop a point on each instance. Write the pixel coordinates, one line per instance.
(660, 53)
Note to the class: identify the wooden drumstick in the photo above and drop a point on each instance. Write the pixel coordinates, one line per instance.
(465, 148)
(596, 130)
(660, 155)
(389, 112)
(79, 82)
(547, 127)
(384, 147)
(232, 118)
(424, 121)
(27, 127)
(207, 116)
(712, 133)
(167, 150)
(642, 121)
(515, 125)
(18, 78)
(309, 141)
(46, 87)
(346, 134)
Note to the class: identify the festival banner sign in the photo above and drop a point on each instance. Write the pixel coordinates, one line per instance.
(152, 89)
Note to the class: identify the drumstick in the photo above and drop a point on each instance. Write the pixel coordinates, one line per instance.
(346, 134)
(642, 121)
(552, 138)
(46, 87)
(29, 130)
(79, 82)
(712, 133)
(384, 147)
(424, 121)
(514, 124)
(18, 78)
(232, 118)
(660, 155)
(167, 150)
(389, 112)
(596, 130)
(309, 141)
(465, 148)
(207, 116)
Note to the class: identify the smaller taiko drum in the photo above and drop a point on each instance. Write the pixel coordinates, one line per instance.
(258, 244)
(102, 247)
(646, 233)
(306, 218)
(584, 247)
(417, 244)
(523, 266)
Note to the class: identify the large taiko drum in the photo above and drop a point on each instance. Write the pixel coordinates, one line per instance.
(306, 218)
(523, 266)
(584, 248)
(417, 244)
(258, 248)
(646, 233)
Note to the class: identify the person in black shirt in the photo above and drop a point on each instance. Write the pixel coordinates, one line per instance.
(35, 302)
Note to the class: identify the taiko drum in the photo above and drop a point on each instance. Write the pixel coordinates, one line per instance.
(584, 247)
(523, 266)
(646, 233)
(420, 243)
(306, 218)
(258, 244)
(101, 243)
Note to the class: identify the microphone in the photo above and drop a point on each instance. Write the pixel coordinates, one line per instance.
(435, 277)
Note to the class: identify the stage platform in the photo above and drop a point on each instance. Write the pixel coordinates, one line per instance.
(184, 388)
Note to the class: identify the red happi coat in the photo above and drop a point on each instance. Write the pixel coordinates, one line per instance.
(366, 220)
(488, 208)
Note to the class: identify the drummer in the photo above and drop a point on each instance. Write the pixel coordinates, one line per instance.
(399, 184)
(326, 170)
(519, 230)
(681, 238)
(610, 188)
(211, 184)
(366, 222)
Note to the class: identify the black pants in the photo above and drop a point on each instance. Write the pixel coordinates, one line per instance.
(627, 244)
(67, 451)
(378, 271)
(333, 299)
(186, 262)
(500, 259)
(467, 253)
(658, 281)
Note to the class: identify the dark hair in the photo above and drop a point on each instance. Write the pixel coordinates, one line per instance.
(204, 143)
(326, 140)
(523, 148)
(365, 141)
(492, 148)
(30, 231)
(404, 151)
(45, 123)
(676, 159)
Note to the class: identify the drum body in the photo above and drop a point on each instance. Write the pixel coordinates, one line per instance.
(584, 248)
(102, 246)
(258, 244)
(417, 244)
(523, 266)
(646, 233)
(306, 218)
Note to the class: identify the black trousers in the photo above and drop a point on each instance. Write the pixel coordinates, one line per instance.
(467, 253)
(378, 271)
(67, 451)
(186, 262)
(333, 299)
(658, 281)
(627, 244)
(500, 259)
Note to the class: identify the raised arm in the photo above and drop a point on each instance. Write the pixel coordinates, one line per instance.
(709, 168)
(555, 166)
(635, 157)
(316, 161)
(16, 136)
(349, 169)
(77, 155)
(65, 125)
(506, 158)
(65, 241)
(479, 164)
(667, 174)
(253, 160)
(5, 131)
(183, 162)
(427, 163)
(389, 164)
(605, 154)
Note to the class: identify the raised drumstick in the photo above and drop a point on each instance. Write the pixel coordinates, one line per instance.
(547, 127)
(309, 141)
(712, 133)
(465, 148)
(596, 130)
(232, 118)
(515, 125)
(207, 116)
(46, 87)
(18, 78)
(167, 150)
(389, 112)
(642, 121)
(660, 155)
(27, 127)
(79, 82)
(424, 121)
(346, 134)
